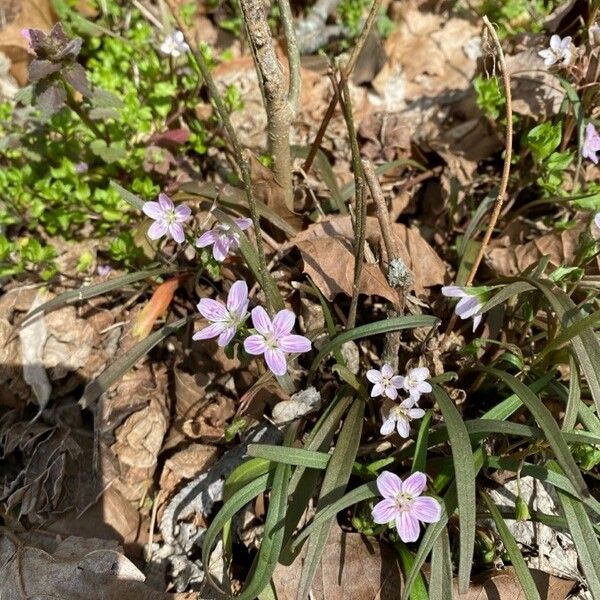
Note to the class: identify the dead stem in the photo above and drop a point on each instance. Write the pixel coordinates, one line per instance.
(241, 160)
(346, 71)
(506, 168)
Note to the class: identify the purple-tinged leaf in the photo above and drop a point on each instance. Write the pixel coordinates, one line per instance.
(76, 76)
(39, 69)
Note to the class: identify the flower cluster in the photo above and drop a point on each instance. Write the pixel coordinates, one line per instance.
(174, 45)
(169, 219)
(273, 338)
(560, 50)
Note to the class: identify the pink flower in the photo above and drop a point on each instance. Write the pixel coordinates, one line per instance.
(469, 305)
(591, 144)
(402, 503)
(385, 382)
(222, 238)
(559, 51)
(225, 319)
(168, 218)
(399, 418)
(274, 339)
(415, 383)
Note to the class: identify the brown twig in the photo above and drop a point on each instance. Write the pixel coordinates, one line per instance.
(506, 168)
(241, 160)
(345, 72)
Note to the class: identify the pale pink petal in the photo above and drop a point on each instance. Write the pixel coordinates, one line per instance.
(453, 291)
(294, 343)
(237, 299)
(157, 230)
(467, 307)
(389, 485)
(391, 392)
(283, 323)
(153, 210)
(221, 249)
(555, 42)
(374, 376)
(403, 428)
(243, 223)
(388, 426)
(426, 509)
(397, 381)
(387, 371)
(415, 413)
(212, 310)
(207, 238)
(226, 337)
(408, 527)
(261, 320)
(165, 202)
(183, 212)
(255, 344)
(377, 390)
(209, 332)
(419, 373)
(384, 511)
(407, 403)
(565, 42)
(476, 321)
(275, 360)
(415, 484)
(597, 220)
(176, 232)
(424, 387)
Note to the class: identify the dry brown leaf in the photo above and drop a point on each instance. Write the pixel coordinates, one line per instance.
(326, 249)
(75, 568)
(504, 585)
(352, 567)
(510, 259)
(186, 464)
(190, 390)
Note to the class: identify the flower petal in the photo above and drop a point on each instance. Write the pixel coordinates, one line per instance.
(408, 527)
(388, 425)
(415, 484)
(209, 332)
(453, 291)
(416, 413)
(424, 387)
(226, 337)
(275, 360)
(212, 309)
(389, 484)
(207, 238)
(377, 390)
(261, 320)
(426, 509)
(157, 230)
(165, 202)
(391, 392)
(403, 427)
(384, 512)
(153, 210)
(555, 42)
(597, 220)
(387, 371)
(374, 376)
(176, 232)
(467, 307)
(255, 344)
(397, 381)
(183, 212)
(221, 248)
(419, 373)
(243, 223)
(294, 343)
(237, 299)
(283, 323)
(476, 321)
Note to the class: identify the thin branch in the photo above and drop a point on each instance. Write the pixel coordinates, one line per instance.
(507, 160)
(360, 202)
(242, 162)
(346, 71)
(293, 55)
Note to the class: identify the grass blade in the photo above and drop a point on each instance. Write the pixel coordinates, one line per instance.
(290, 456)
(130, 198)
(516, 558)
(419, 591)
(574, 398)
(440, 583)
(421, 445)
(464, 471)
(98, 386)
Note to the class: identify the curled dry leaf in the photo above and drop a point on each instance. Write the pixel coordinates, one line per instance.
(352, 566)
(75, 568)
(326, 250)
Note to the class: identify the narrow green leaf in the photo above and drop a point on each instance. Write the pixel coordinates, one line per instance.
(383, 326)
(574, 398)
(289, 456)
(130, 198)
(421, 445)
(545, 420)
(244, 474)
(334, 484)
(90, 291)
(464, 470)
(419, 591)
(507, 292)
(511, 547)
(117, 369)
(440, 583)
